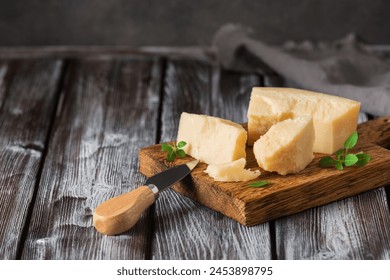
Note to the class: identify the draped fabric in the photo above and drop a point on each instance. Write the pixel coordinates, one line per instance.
(346, 67)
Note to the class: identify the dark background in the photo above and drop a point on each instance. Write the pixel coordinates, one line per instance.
(187, 23)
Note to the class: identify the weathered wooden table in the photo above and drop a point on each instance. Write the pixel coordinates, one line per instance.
(72, 122)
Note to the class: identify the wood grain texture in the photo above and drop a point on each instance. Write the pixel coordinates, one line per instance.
(109, 110)
(28, 92)
(376, 131)
(185, 229)
(353, 228)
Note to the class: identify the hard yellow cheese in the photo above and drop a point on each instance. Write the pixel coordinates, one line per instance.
(334, 118)
(231, 172)
(210, 139)
(287, 147)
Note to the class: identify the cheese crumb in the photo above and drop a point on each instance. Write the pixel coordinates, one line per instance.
(231, 172)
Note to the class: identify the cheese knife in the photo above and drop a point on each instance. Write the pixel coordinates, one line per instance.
(121, 213)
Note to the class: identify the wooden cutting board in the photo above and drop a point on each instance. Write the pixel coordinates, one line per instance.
(285, 195)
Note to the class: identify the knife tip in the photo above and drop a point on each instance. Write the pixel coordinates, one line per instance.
(191, 165)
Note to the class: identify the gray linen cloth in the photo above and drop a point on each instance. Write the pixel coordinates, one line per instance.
(345, 68)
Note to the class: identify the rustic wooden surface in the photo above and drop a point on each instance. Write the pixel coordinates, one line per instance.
(28, 92)
(109, 110)
(71, 128)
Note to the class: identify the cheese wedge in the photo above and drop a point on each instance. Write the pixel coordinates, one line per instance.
(334, 118)
(287, 147)
(210, 139)
(231, 172)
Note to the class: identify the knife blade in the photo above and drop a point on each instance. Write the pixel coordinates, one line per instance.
(121, 213)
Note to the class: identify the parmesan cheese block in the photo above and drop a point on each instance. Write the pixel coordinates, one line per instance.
(212, 140)
(287, 147)
(334, 118)
(231, 172)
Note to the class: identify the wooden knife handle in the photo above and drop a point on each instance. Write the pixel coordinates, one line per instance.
(376, 131)
(121, 213)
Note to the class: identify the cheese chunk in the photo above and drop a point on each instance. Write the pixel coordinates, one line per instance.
(212, 140)
(231, 172)
(287, 147)
(334, 118)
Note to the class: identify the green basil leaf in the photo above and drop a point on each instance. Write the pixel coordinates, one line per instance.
(181, 144)
(350, 160)
(258, 184)
(327, 162)
(166, 147)
(351, 141)
(339, 153)
(180, 153)
(339, 165)
(171, 156)
(363, 159)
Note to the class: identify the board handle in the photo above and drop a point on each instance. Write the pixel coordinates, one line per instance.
(122, 212)
(376, 131)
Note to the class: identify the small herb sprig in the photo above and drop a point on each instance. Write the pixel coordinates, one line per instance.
(174, 151)
(258, 184)
(343, 158)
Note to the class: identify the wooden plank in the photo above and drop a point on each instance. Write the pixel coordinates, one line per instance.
(110, 109)
(28, 91)
(353, 228)
(184, 228)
